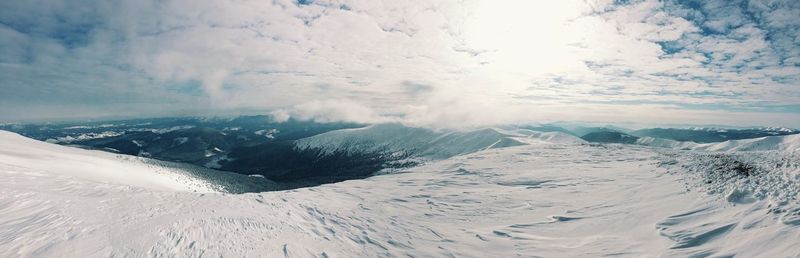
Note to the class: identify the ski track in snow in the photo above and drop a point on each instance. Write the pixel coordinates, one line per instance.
(544, 200)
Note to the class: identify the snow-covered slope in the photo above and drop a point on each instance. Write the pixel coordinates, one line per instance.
(536, 137)
(60, 161)
(40, 159)
(531, 200)
(427, 143)
(776, 143)
(787, 143)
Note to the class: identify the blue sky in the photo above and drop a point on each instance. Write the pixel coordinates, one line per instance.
(429, 63)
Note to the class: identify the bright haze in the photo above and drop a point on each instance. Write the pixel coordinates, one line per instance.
(427, 63)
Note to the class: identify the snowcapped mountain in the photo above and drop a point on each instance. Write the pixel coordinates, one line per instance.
(786, 143)
(709, 135)
(529, 136)
(775, 143)
(767, 143)
(427, 143)
(527, 200)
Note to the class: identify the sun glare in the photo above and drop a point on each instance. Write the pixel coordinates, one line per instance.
(524, 36)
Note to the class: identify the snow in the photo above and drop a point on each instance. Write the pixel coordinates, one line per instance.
(137, 143)
(788, 143)
(215, 161)
(549, 200)
(534, 137)
(665, 143)
(31, 159)
(180, 140)
(762, 190)
(781, 143)
(85, 165)
(212, 152)
(88, 127)
(270, 134)
(87, 136)
(427, 143)
(162, 130)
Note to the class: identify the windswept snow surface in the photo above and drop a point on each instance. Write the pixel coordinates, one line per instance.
(550, 200)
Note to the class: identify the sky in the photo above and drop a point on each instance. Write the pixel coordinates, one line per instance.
(449, 63)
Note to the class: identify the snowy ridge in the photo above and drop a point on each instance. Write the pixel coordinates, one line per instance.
(398, 138)
(428, 143)
(534, 137)
(720, 129)
(775, 143)
(787, 143)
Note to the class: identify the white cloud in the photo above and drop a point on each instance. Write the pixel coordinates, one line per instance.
(331, 111)
(433, 63)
